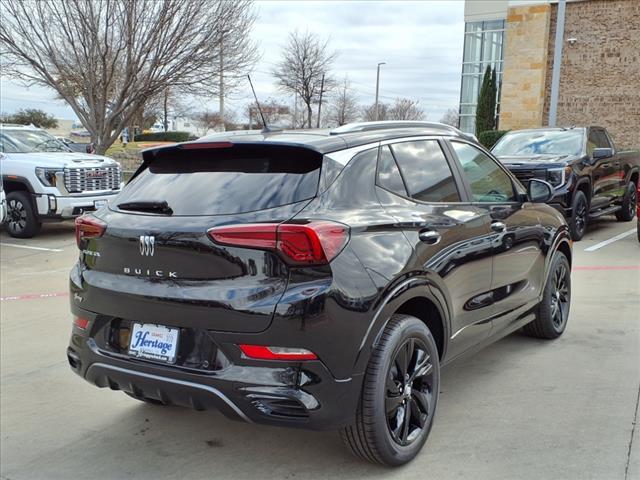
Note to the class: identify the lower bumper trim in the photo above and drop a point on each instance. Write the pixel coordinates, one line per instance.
(104, 375)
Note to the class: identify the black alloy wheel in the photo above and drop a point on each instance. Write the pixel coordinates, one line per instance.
(629, 204)
(409, 396)
(560, 297)
(580, 216)
(399, 395)
(552, 312)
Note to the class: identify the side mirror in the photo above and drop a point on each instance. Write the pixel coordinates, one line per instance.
(539, 191)
(599, 153)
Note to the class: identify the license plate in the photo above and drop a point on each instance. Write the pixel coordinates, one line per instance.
(99, 203)
(154, 342)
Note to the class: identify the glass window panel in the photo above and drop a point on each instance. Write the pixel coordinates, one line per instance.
(473, 26)
(388, 174)
(488, 182)
(468, 123)
(472, 47)
(493, 25)
(471, 68)
(426, 170)
(467, 110)
(470, 88)
(492, 46)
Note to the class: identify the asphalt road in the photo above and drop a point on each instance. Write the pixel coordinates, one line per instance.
(520, 409)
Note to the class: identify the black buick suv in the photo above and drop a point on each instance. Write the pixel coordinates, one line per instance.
(315, 279)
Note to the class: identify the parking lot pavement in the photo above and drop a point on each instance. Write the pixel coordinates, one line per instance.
(522, 408)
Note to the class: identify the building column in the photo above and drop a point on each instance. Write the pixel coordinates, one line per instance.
(525, 67)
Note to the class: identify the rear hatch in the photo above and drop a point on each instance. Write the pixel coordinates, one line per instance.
(155, 263)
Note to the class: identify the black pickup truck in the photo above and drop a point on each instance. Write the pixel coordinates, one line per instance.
(591, 178)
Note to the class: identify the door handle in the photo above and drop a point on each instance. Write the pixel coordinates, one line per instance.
(605, 165)
(429, 236)
(498, 227)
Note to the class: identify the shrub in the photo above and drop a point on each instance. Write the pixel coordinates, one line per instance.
(489, 138)
(163, 137)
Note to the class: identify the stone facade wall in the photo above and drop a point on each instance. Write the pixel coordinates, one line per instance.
(600, 72)
(525, 66)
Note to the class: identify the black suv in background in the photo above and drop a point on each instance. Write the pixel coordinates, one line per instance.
(315, 279)
(591, 178)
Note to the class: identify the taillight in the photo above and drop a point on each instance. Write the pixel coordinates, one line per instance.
(260, 352)
(88, 226)
(314, 243)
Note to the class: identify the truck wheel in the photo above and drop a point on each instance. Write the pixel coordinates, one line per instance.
(399, 395)
(629, 204)
(22, 220)
(552, 312)
(579, 216)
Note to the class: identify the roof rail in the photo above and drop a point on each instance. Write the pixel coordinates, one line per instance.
(391, 124)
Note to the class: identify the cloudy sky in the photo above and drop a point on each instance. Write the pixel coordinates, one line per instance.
(420, 41)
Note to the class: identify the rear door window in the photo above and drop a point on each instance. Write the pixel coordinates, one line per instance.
(426, 171)
(239, 179)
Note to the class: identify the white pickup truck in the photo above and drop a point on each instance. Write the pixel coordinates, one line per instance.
(44, 180)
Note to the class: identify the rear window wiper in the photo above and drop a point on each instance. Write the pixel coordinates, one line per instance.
(147, 206)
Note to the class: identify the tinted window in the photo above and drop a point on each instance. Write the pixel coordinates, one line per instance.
(539, 142)
(426, 171)
(388, 174)
(225, 181)
(489, 183)
(597, 139)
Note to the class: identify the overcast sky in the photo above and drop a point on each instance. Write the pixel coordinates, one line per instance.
(420, 41)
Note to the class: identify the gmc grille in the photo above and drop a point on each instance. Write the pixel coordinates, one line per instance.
(91, 179)
(524, 175)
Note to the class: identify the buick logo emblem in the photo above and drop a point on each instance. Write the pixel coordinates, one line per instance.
(147, 245)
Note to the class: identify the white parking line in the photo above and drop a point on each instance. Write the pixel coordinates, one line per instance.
(31, 248)
(611, 240)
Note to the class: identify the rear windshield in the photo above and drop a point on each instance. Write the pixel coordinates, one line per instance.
(243, 178)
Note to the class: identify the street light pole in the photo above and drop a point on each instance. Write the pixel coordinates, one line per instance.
(378, 87)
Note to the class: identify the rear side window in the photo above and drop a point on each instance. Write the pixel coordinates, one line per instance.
(239, 179)
(426, 171)
(389, 176)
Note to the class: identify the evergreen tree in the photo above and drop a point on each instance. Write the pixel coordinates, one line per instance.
(486, 109)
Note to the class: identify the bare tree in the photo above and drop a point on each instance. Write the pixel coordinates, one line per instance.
(344, 107)
(108, 58)
(406, 109)
(208, 120)
(369, 112)
(450, 117)
(306, 59)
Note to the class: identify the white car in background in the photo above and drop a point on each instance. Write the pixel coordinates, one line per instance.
(3, 204)
(45, 181)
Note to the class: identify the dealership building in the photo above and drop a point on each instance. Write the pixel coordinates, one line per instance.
(597, 69)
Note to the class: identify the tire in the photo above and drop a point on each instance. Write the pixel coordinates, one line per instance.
(552, 312)
(372, 437)
(22, 220)
(629, 204)
(579, 216)
(151, 401)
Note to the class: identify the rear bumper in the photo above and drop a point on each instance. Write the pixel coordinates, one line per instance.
(295, 394)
